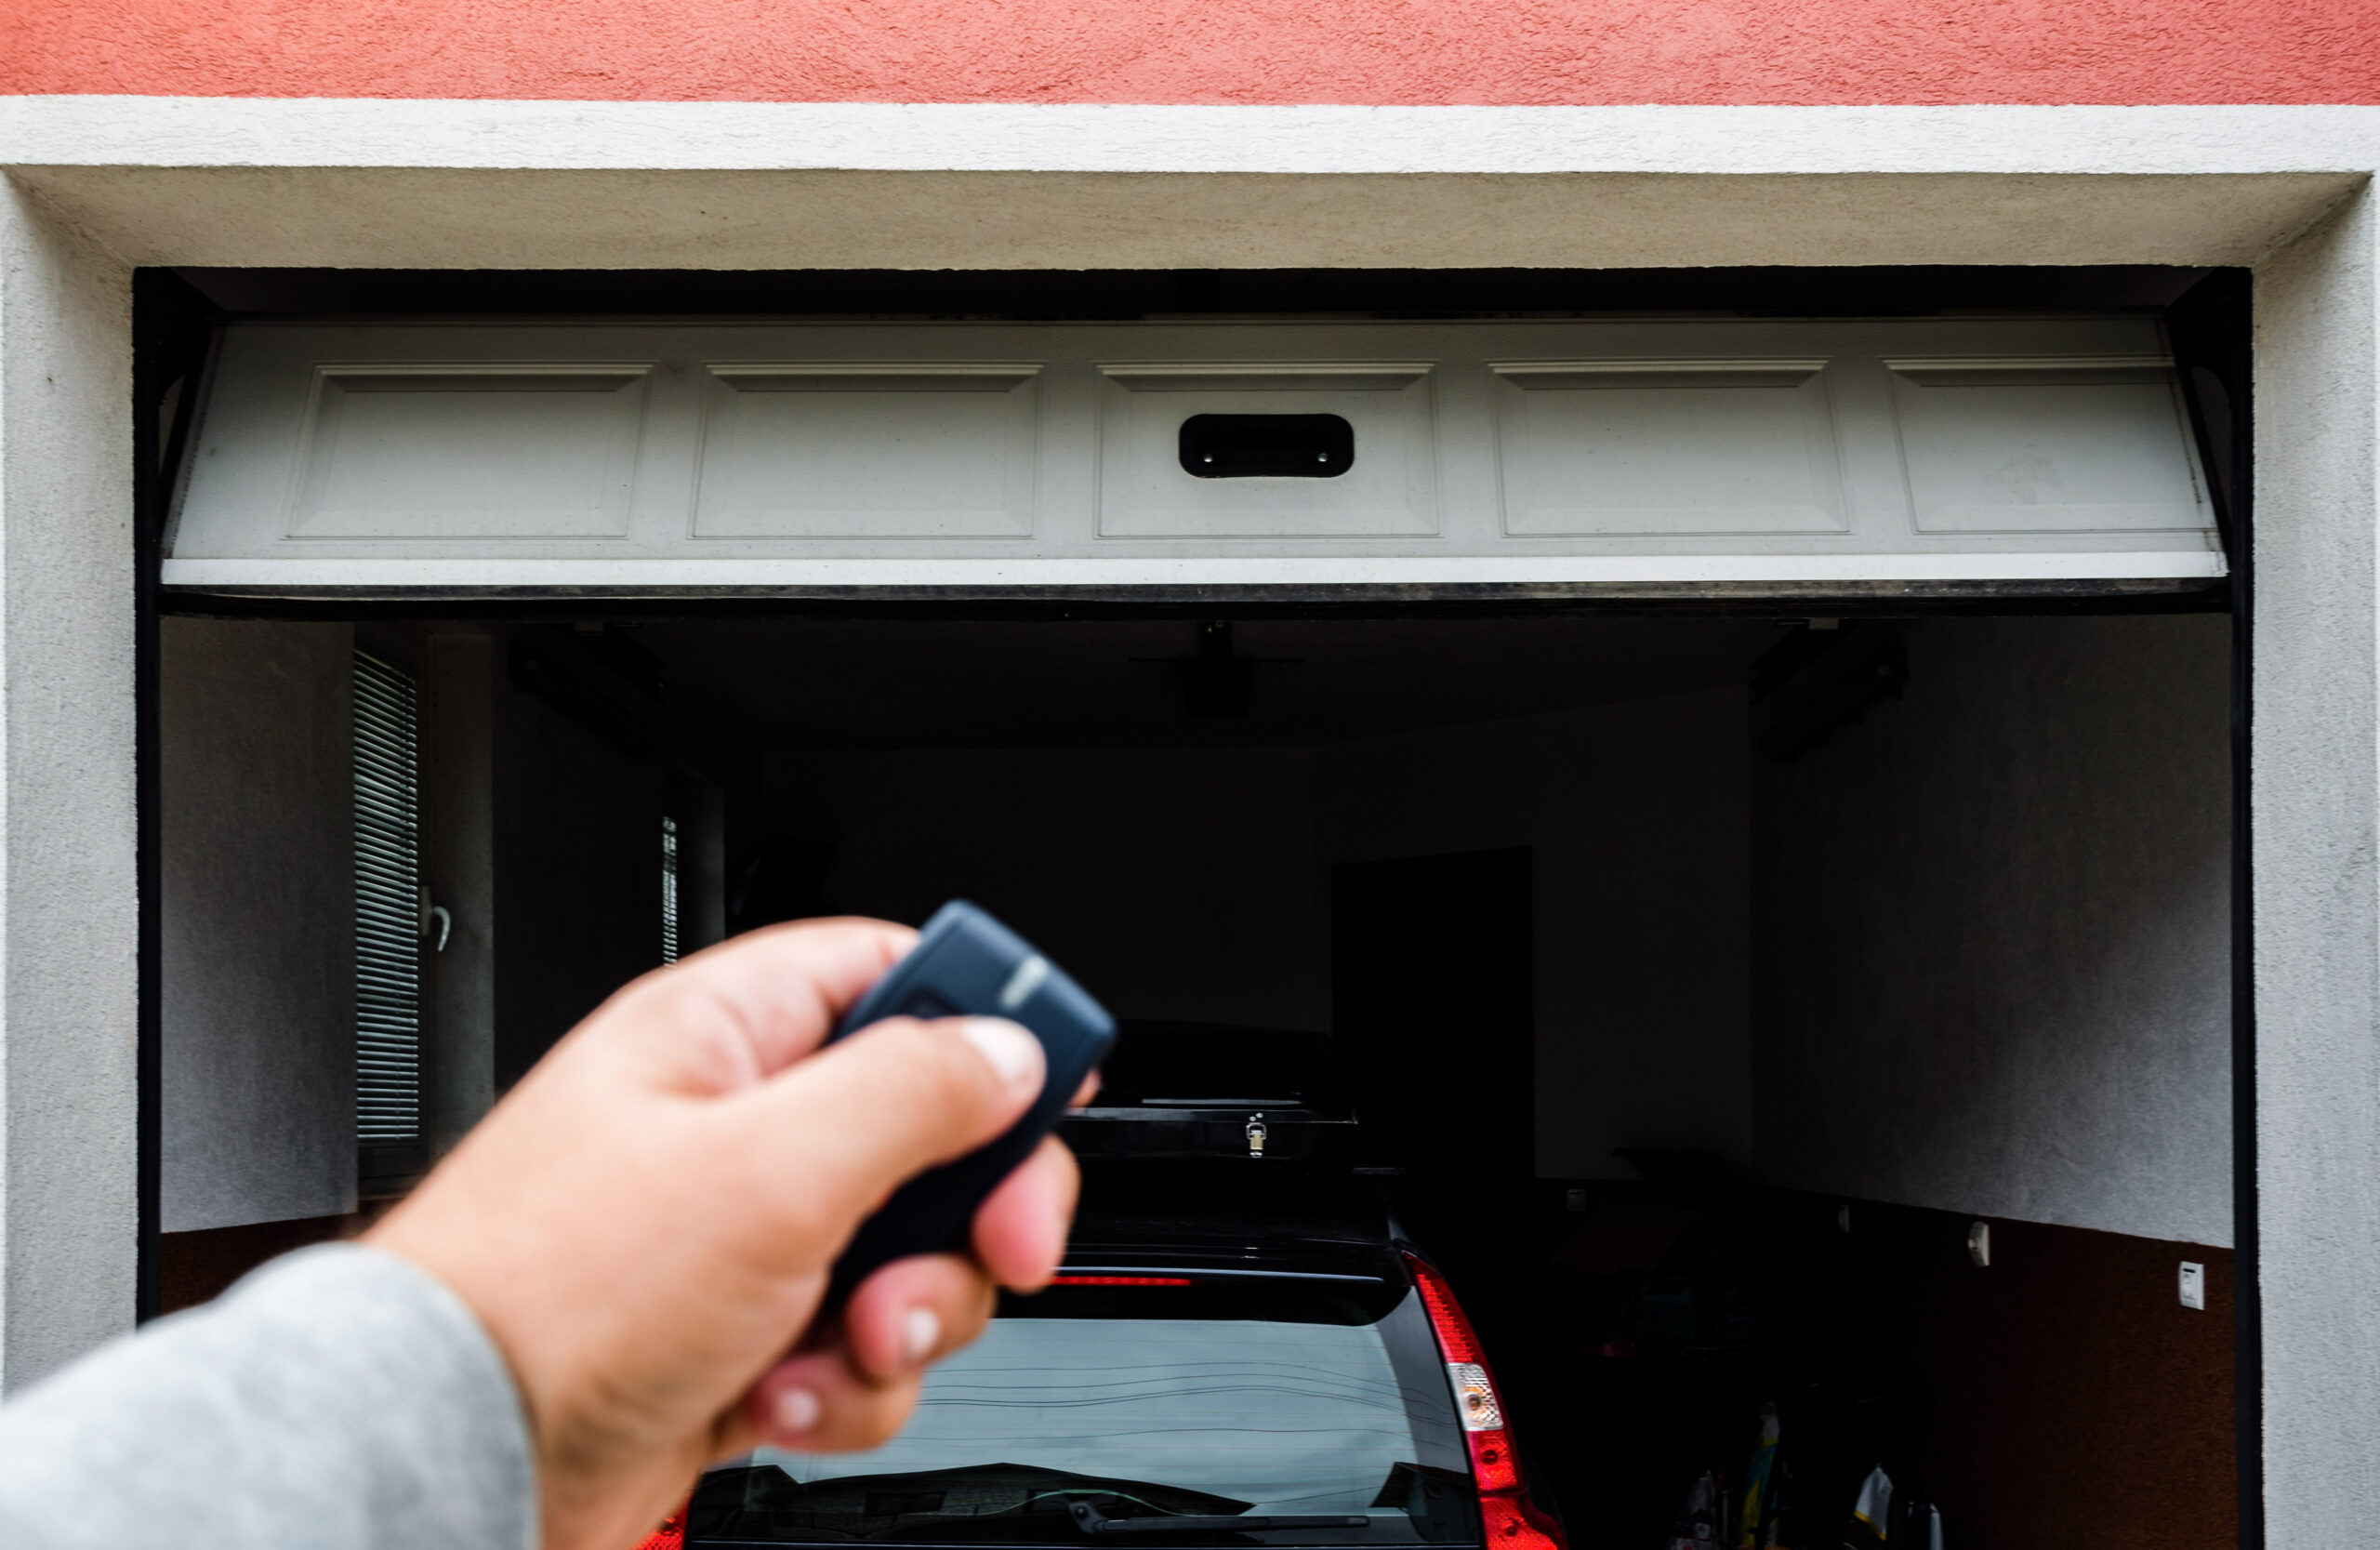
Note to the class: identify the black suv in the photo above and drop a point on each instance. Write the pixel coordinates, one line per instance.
(1284, 1371)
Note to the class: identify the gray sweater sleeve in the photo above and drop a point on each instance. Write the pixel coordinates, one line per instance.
(339, 1399)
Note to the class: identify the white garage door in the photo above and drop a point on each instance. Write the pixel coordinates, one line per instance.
(662, 458)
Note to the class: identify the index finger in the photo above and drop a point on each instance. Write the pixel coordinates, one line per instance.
(732, 1015)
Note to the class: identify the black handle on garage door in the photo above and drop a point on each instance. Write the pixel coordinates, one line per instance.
(1276, 447)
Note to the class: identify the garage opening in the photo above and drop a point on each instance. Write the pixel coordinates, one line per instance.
(1719, 825)
(1702, 986)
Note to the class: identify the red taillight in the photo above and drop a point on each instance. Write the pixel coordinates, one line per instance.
(1512, 1523)
(1119, 1281)
(671, 1535)
(1512, 1520)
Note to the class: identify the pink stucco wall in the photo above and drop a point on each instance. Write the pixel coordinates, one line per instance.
(1175, 51)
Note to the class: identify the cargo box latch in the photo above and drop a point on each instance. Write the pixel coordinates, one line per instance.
(1256, 1135)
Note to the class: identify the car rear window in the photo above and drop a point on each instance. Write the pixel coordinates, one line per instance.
(1256, 1399)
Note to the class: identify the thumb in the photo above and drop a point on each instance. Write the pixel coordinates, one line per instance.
(837, 1132)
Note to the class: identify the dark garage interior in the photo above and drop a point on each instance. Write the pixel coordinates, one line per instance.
(1747, 1008)
(1701, 984)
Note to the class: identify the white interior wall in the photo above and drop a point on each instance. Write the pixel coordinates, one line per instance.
(256, 923)
(1636, 817)
(1992, 933)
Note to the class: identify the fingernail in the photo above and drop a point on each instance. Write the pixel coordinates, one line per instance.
(793, 1410)
(920, 1332)
(1007, 1049)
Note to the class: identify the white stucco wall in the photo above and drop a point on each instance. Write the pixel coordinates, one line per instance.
(68, 930)
(2314, 819)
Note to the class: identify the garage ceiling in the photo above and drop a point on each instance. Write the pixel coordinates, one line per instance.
(910, 684)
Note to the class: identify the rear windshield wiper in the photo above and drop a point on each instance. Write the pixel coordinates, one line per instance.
(1092, 1521)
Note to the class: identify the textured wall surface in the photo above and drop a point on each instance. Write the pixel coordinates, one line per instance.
(68, 1013)
(257, 922)
(1992, 933)
(1537, 51)
(1636, 814)
(2315, 818)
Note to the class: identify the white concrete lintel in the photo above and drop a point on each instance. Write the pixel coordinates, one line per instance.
(739, 185)
(249, 132)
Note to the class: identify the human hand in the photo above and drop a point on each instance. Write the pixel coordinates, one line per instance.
(646, 1223)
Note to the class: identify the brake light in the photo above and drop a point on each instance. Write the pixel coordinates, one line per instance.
(671, 1535)
(1119, 1281)
(1511, 1520)
(1514, 1523)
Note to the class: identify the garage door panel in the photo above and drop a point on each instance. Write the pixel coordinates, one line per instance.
(1655, 448)
(867, 449)
(1575, 453)
(2045, 446)
(468, 451)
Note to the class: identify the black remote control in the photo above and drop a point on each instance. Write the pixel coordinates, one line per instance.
(967, 964)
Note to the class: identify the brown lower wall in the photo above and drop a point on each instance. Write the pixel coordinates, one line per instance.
(2062, 1395)
(194, 1267)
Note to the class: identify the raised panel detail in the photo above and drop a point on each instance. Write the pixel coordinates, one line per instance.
(475, 451)
(1666, 448)
(873, 449)
(2080, 445)
(1223, 452)
(1390, 489)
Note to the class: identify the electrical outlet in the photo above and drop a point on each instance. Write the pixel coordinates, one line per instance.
(2193, 1286)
